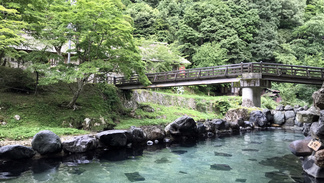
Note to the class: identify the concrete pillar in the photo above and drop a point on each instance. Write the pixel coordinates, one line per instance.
(252, 84)
(253, 95)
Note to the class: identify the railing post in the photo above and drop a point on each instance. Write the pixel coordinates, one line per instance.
(252, 67)
(114, 80)
(260, 66)
(307, 71)
(226, 71)
(241, 67)
(199, 73)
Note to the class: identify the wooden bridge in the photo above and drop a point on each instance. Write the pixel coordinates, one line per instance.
(227, 74)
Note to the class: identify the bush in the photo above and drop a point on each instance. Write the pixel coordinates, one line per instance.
(15, 80)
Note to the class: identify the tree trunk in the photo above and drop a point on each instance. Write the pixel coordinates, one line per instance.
(80, 83)
(1, 56)
(37, 78)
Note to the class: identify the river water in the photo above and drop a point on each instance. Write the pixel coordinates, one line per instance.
(256, 157)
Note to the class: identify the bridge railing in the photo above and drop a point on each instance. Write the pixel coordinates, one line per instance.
(287, 70)
(234, 70)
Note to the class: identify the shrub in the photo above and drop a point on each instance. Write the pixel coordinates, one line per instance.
(15, 80)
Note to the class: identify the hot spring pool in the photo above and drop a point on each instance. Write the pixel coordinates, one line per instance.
(256, 157)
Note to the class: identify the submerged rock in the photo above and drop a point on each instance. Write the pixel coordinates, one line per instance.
(179, 152)
(162, 160)
(251, 150)
(222, 154)
(46, 142)
(134, 177)
(222, 167)
(240, 180)
(14, 152)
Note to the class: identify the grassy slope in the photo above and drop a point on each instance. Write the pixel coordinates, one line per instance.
(167, 114)
(45, 111)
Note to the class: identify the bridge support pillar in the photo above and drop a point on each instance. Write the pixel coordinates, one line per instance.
(252, 85)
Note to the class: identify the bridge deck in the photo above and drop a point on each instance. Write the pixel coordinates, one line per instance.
(227, 74)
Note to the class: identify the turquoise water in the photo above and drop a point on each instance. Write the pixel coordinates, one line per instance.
(254, 157)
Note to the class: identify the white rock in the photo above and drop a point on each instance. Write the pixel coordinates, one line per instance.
(17, 117)
(149, 143)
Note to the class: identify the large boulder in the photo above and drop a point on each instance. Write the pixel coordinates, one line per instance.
(306, 117)
(319, 158)
(183, 126)
(46, 142)
(14, 152)
(300, 147)
(290, 114)
(321, 118)
(306, 129)
(137, 135)
(288, 108)
(268, 115)
(280, 108)
(201, 129)
(80, 144)
(237, 115)
(113, 138)
(317, 131)
(318, 98)
(311, 168)
(290, 118)
(214, 125)
(154, 132)
(258, 118)
(279, 117)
